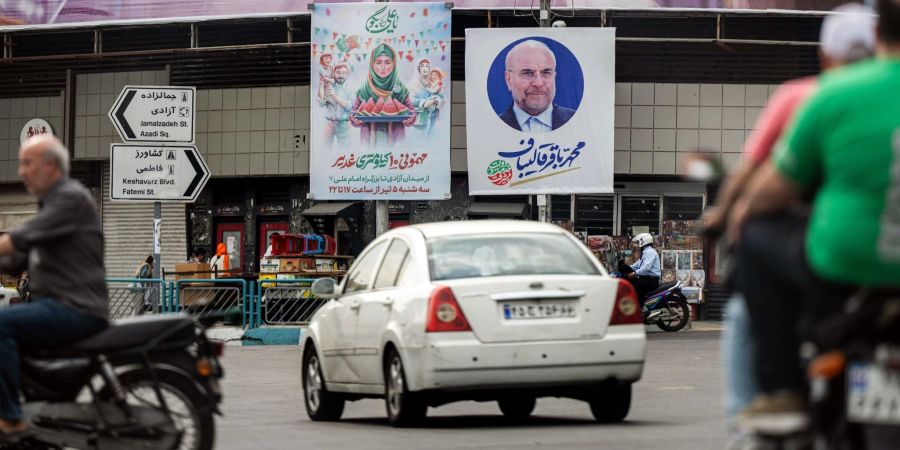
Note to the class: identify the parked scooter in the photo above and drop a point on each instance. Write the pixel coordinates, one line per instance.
(148, 382)
(665, 306)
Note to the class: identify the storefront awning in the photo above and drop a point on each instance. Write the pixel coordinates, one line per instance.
(326, 209)
(497, 209)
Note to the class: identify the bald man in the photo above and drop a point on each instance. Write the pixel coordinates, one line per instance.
(531, 80)
(62, 249)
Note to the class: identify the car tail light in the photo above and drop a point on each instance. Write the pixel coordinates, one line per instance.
(444, 313)
(626, 310)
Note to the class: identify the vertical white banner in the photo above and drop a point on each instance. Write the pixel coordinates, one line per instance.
(540, 110)
(380, 101)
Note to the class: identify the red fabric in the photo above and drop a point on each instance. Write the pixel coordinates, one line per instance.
(776, 117)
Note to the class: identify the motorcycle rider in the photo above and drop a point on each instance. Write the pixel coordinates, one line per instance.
(843, 150)
(62, 249)
(645, 277)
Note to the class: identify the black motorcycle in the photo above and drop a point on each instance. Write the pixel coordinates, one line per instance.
(150, 383)
(854, 371)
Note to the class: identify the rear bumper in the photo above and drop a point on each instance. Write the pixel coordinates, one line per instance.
(458, 361)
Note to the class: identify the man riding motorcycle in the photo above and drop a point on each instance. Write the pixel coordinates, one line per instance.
(62, 249)
(843, 152)
(646, 271)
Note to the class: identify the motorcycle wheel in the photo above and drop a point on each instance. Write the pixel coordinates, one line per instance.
(182, 398)
(678, 307)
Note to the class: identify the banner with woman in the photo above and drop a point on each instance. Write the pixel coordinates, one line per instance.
(380, 101)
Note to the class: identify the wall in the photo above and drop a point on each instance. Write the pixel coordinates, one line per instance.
(254, 131)
(14, 112)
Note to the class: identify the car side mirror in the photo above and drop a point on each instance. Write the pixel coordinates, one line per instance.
(325, 288)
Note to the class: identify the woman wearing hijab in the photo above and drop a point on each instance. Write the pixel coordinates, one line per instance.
(424, 99)
(382, 84)
(220, 263)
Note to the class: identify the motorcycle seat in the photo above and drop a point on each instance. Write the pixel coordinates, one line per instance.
(135, 332)
(662, 288)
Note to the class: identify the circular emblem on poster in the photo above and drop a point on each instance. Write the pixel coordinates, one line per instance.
(500, 172)
(35, 127)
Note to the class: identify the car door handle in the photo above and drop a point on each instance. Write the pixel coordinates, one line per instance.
(387, 302)
(355, 305)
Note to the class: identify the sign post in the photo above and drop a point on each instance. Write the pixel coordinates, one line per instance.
(163, 116)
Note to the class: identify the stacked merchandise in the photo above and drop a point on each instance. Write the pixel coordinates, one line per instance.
(681, 251)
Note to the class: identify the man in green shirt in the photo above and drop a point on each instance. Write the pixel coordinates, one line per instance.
(843, 153)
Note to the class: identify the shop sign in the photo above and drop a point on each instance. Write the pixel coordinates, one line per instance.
(380, 96)
(35, 127)
(229, 210)
(421, 206)
(539, 110)
(272, 209)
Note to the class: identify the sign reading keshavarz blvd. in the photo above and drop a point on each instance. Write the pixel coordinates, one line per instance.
(155, 113)
(156, 173)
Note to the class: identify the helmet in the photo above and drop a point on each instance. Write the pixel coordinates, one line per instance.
(643, 239)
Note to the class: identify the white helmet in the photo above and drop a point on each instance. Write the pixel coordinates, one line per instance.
(643, 239)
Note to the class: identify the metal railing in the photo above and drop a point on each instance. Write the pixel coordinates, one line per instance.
(203, 296)
(135, 296)
(287, 302)
(269, 302)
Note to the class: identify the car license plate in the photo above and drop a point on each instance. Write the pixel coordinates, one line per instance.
(873, 394)
(538, 310)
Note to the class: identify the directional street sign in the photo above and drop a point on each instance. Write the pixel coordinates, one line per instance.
(155, 114)
(156, 172)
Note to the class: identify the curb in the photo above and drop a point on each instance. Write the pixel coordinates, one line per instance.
(236, 336)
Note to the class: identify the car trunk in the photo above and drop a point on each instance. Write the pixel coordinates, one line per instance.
(536, 307)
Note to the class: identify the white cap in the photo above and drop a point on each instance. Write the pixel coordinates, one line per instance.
(847, 30)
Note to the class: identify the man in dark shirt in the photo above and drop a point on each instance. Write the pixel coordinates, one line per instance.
(62, 249)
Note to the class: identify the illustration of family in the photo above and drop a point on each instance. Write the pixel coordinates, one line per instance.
(384, 106)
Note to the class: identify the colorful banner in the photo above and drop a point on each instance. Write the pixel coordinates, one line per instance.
(96, 12)
(380, 106)
(539, 110)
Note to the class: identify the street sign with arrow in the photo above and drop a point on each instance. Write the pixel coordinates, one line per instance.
(156, 173)
(155, 114)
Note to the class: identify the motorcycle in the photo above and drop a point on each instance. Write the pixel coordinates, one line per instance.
(854, 372)
(665, 307)
(150, 382)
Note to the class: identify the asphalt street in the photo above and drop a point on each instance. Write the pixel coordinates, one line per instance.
(677, 405)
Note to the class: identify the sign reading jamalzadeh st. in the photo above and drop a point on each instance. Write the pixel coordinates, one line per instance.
(380, 101)
(539, 110)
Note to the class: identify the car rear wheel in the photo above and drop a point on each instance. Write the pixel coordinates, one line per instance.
(517, 407)
(404, 408)
(611, 402)
(321, 405)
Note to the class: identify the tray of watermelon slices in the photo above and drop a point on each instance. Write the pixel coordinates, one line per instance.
(382, 111)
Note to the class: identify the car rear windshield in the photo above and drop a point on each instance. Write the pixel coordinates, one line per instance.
(493, 255)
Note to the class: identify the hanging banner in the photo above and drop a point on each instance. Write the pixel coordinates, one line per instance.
(380, 114)
(539, 110)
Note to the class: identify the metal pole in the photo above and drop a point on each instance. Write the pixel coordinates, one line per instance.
(543, 200)
(382, 215)
(157, 244)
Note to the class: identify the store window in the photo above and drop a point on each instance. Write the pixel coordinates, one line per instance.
(640, 214)
(594, 214)
(682, 207)
(560, 208)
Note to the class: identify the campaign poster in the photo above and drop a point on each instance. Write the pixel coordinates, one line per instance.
(540, 110)
(380, 101)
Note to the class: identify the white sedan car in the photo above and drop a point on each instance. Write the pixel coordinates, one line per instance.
(500, 311)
